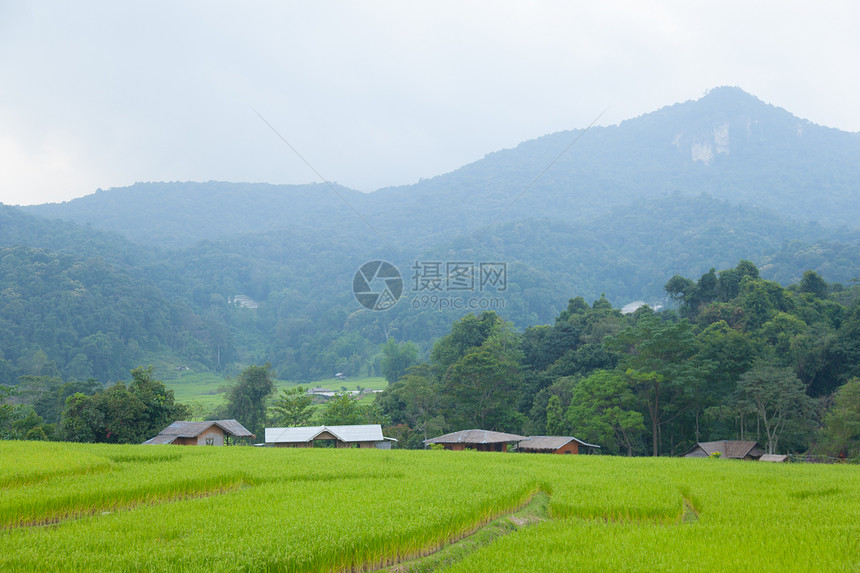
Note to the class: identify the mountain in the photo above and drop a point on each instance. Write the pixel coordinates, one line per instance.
(727, 144)
(238, 273)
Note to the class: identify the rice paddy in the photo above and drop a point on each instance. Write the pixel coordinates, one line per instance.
(76, 507)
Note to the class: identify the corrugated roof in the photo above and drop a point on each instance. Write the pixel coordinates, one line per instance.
(731, 448)
(475, 437)
(185, 429)
(301, 434)
(550, 443)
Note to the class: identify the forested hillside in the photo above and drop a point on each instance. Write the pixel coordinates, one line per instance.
(210, 277)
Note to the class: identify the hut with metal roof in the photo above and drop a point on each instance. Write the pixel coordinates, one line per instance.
(554, 445)
(733, 449)
(211, 433)
(481, 440)
(355, 436)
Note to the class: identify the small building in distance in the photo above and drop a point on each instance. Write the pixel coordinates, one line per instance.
(481, 440)
(356, 436)
(554, 445)
(211, 433)
(733, 449)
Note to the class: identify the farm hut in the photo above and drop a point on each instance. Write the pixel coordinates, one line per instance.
(212, 433)
(773, 458)
(357, 436)
(734, 449)
(554, 445)
(481, 440)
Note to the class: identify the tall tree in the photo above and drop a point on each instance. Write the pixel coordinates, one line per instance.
(292, 407)
(778, 398)
(397, 358)
(661, 361)
(246, 399)
(480, 387)
(602, 411)
(841, 432)
(343, 409)
(122, 414)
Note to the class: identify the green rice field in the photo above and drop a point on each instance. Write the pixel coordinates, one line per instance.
(93, 507)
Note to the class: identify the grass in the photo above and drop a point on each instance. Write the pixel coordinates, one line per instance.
(208, 389)
(168, 508)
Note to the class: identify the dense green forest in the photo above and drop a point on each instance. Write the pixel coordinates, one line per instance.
(208, 278)
(741, 358)
(117, 305)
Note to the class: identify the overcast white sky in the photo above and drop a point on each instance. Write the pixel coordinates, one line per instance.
(372, 94)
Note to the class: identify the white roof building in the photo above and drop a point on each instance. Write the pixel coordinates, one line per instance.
(358, 436)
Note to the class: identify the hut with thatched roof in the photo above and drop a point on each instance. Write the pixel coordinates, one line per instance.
(211, 433)
(481, 440)
(554, 445)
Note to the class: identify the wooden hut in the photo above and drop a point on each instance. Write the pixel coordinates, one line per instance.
(554, 445)
(355, 436)
(733, 449)
(212, 433)
(481, 440)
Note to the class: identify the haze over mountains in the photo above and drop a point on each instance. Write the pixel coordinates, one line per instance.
(616, 210)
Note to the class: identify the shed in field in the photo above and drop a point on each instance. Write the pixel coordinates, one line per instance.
(211, 433)
(734, 449)
(773, 458)
(481, 440)
(554, 445)
(356, 436)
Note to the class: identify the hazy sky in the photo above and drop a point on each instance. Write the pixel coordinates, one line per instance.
(372, 94)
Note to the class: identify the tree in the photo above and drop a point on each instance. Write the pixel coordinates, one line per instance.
(777, 396)
(292, 407)
(246, 399)
(8, 413)
(122, 414)
(415, 400)
(396, 359)
(602, 411)
(159, 406)
(479, 387)
(813, 284)
(841, 432)
(662, 364)
(555, 421)
(469, 332)
(343, 409)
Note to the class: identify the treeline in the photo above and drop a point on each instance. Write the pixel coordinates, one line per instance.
(740, 358)
(46, 408)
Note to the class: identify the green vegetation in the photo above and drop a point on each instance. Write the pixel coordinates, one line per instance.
(164, 508)
(741, 358)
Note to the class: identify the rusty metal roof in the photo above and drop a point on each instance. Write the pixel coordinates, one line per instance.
(550, 443)
(737, 449)
(184, 429)
(475, 437)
